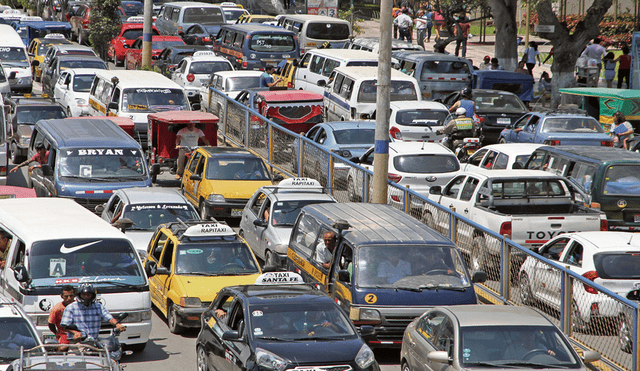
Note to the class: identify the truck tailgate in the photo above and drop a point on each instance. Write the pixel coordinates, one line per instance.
(535, 230)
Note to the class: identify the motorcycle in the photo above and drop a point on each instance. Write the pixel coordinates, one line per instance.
(110, 344)
(462, 146)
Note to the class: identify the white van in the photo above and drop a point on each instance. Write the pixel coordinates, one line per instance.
(15, 61)
(56, 242)
(352, 92)
(135, 94)
(315, 67)
(315, 30)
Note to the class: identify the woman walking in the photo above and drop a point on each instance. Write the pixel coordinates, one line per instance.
(532, 54)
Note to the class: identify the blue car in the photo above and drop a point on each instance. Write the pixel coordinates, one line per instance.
(556, 129)
(348, 139)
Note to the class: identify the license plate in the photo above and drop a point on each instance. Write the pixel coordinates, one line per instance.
(504, 121)
(636, 218)
(48, 336)
(236, 212)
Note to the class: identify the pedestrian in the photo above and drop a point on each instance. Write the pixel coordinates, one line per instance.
(461, 30)
(531, 54)
(438, 22)
(486, 63)
(395, 12)
(421, 27)
(609, 62)
(429, 17)
(522, 68)
(404, 23)
(495, 65)
(595, 51)
(624, 68)
(266, 80)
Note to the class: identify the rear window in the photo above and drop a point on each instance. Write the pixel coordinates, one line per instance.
(498, 102)
(239, 83)
(400, 90)
(199, 68)
(328, 31)
(572, 125)
(525, 188)
(163, 44)
(136, 33)
(202, 15)
(272, 43)
(355, 136)
(421, 117)
(618, 265)
(363, 64)
(622, 180)
(425, 163)
(443, 67)
(83, 64)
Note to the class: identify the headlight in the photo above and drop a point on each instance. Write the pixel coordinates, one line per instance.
(216, 198)
(81, 101)
(369, 315)
(24, 80)
(40, 320)
(365, 357)
(269, 360)
(132, 317)
(25, 140)
(145, 315)
(190, 302)
(282, 248)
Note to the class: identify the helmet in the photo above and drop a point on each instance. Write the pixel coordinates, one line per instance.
(461, 112)
(87, 287)
(466, 92)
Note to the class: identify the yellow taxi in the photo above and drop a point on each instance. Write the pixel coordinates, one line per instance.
(194, 261)
(220, 180)
(38, 49)
(255, 18)
(287, 74)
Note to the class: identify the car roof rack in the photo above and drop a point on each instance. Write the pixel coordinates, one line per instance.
(76, 356)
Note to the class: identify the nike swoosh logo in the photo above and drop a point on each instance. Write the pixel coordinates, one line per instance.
(68, 250)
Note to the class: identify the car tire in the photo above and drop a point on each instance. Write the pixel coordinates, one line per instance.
(202, 208)
(577, 323)
(15, 157)
(268, 259)
(118, 62)
(136, 347)
(351, 190)
(479, 256)
(172, 320)
(202, 361)
(405, 366)
(526, 295)
(68, 111)
(502, 141)
(428, 219)
(625, 336)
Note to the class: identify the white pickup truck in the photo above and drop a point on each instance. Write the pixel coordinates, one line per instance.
(529, 206)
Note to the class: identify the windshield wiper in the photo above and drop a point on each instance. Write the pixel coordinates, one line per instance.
(442, 287)
(272, 338)
(327, 338)
(490, 364)
(532, 364)
(284, 225)
(116, 283)
(416, 289)
(203, 274)
(79, 177)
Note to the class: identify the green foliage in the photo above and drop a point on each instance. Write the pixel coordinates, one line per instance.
(105, 24)
(347, 15)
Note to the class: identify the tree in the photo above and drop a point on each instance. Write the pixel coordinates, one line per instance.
(506, 48)
(105, 25)
(568, 45)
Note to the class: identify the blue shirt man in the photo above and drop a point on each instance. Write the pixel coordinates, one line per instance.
(266, 80)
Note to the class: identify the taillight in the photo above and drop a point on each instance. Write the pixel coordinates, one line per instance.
(505, 229)
(255, 118)
(3, 170)
(606, 143)
(395, 133)
(590, 275)
(482, 120)
(85, 23)
(604, 225)
(206, 39)
(395, 177)
(554, 142)
(244, 64)
(289, 85)
(395, 198)
(191, 77)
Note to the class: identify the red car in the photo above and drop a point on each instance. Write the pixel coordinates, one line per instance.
(133, 56)
(296, 110)
(80, 23)
(129, 32)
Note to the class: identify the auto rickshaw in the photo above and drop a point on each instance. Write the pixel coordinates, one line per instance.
(602, 104)
(162, 130)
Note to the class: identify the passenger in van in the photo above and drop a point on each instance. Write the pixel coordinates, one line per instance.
(266, 80)
(324, 250)
(41, 157)
(5, 238)
(394, 269)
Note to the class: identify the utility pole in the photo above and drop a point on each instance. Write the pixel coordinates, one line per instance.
(146, 33)
(381, 151)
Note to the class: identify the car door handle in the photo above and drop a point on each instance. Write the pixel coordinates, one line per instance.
(466, 211)
(412, 343)
(451, 206)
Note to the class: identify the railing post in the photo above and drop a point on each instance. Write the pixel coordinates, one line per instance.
(365, 187)
(247, 126)
(224, 117)
(406, 199)
(635, 336)
(505, 271)
(270, 136)
(566, 288)
(452, 225)
(330, 184)
(301, 147)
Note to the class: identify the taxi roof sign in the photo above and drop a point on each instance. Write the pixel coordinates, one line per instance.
(54, 36)
(203, 53)
(209, 230)
(135, 19)
(279, 278)
(299, 185)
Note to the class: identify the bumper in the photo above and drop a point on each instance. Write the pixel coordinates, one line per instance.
(385, 337)
(188, 317)
(229, 209)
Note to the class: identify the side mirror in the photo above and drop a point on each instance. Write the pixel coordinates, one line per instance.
(195, 177)
(195, 107)
(154, 57)
(365, 116)
(344, 276)
(163, 270)
(367, 330)
(634, 295)
(231, 335)
(12, 75)
(151, 268)
(113, 105)
(99, 208)
(440, 356)
(517, 165)
(123, 223)
(322, 83)
(259, 223)
(535, 249)
(590, 356)
(435, 190)
(277, 177)
(295, 63)
(479, 277)
(21, 274)
(46, 170)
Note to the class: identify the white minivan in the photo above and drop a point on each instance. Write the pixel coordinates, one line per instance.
(352, 92)
(56, 242)
(15, 61)
(315, 67)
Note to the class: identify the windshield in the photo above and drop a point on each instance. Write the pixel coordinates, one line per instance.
(499, 345)
(82, 83)
(201, 68)
(302, 321)
(328, 31)
(15, 333)
(154, 100)
(622, 180)
(230, 258)
(233, 14)
(249, 168)
(240, 83)
(100, 163)
(425, 163)
(148, 216)
(285, 213)
(14, 56)
(30, 114)
(203, 15)
(355, 136)
(85, 260)
(272, 43)
(415, 267)
(572, 125)
(163, 44)
(492, 102)
(421, 117)
(400, 90)
(82, 64)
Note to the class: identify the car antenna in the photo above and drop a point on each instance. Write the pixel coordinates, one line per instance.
(630, 238)
(423, 142)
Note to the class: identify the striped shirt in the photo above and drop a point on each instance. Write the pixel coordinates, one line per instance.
(88, 319)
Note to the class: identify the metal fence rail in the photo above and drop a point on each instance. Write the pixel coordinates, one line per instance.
(592, 316)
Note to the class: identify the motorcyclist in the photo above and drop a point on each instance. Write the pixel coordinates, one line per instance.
(465, 102)
(86, 314)
(459, 128)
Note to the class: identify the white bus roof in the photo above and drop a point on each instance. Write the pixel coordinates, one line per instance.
(139, 79)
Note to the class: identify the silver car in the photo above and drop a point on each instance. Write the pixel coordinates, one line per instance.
(16, 330)
(487, 336)
(270, 214)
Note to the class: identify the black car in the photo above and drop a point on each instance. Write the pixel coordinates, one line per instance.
(170, 56)
(200, 34)
(279, 327)
(132, 8)
(495, 109)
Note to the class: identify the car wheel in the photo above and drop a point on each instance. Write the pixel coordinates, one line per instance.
(137, 347)
(172, 320)
(203, 362)
(427, 218)
(625, 338)
(351, 190)
(405, 367)
(525, 290)
(269, 259)
(502, 140)
(204, 214)
(69, 112)
(479, 255)
(15, 157)
(118, 62)
(578, 324)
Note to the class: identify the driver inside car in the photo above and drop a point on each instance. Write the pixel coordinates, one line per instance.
(393, 268)
(525, 346)
(221, 257)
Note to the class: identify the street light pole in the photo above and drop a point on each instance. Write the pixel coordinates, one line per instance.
(146, 33)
